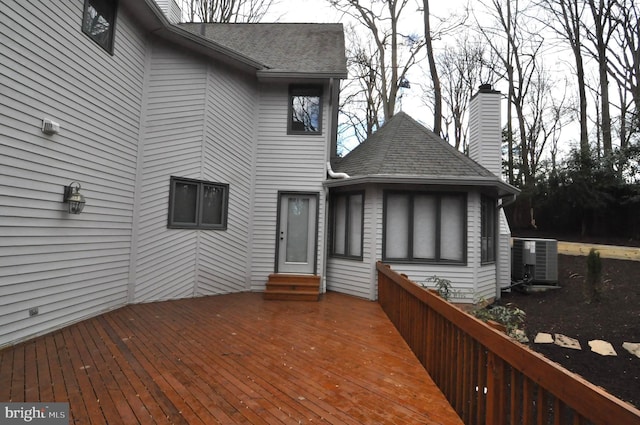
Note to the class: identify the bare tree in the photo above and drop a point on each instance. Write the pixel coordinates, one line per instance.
(566, 17)
(517, 57)
(600, 35)
(361, 92)
(624, 62)
(462, 68)
(431, 33)
(433, 69)
(381, 18)
(227, 11)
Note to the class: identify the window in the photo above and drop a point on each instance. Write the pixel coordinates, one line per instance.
(305, 110)
(196, 204)
(347, 222)
(98, 22)
(487, 230)
(424, 227)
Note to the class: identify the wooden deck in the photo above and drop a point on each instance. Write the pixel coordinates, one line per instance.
(229, 359)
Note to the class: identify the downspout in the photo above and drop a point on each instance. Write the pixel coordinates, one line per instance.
(335, 175)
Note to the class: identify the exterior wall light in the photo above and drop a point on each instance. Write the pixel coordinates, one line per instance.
(74, 198)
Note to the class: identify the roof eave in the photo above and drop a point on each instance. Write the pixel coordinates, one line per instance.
(504, 189)
(155, 22)
(270, 74)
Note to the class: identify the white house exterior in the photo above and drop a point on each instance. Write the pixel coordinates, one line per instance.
(202, 152)
(424, 208)
(159, 124)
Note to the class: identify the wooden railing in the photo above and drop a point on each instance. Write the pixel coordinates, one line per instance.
(487, 377)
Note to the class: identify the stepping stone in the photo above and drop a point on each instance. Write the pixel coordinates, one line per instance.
(566, 342)
(632, 347)
(543, 338)
(601, 347)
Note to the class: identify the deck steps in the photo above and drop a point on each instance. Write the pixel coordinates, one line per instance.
(292, 287)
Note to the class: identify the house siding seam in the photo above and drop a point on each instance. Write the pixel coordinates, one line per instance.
(166, 266)
(292, 163)
(69, 267)
(227, 158)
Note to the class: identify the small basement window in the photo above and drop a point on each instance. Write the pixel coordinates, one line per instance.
(305, 110)
(98, 22)
(197, 204)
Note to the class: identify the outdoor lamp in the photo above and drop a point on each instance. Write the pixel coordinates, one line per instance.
(74, 198)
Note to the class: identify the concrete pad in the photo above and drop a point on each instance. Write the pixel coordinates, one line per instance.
(567, 342)
(632, 347)
(543, 338)
(603, 348)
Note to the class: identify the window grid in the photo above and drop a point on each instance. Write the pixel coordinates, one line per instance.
(402, 212)
(197, 204)
(347, 225)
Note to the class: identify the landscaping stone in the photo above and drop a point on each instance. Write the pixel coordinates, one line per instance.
(632, 347)
(603, 348)
(543, 338)
(567, 342)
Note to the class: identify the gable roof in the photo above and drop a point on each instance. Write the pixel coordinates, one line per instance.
(285, 49)
(403, 150)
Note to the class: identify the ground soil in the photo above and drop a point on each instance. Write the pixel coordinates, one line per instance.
(615, 317)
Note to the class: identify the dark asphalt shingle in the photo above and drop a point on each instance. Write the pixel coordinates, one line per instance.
(285, 47)
(404, 147)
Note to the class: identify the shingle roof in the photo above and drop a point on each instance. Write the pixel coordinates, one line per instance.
(282, 47)
(404, 147)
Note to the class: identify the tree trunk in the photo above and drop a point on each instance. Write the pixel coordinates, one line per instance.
(437, 90)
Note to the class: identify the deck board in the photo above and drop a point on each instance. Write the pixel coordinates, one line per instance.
(229, 359)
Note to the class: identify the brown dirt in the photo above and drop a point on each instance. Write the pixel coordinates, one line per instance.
(569, 311)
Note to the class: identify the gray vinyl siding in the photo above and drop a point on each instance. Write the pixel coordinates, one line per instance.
(355, 277)
(70, 267)
(294, 163)
(470, 283)
(199, 124)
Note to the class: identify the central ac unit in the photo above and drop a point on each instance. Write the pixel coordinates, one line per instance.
(535, 260)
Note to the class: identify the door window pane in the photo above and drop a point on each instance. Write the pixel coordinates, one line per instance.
(297, 229)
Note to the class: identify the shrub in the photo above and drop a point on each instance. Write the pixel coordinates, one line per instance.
(594, 276)
(510, 316)
(442, 286)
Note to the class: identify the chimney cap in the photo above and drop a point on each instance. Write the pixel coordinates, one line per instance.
(486, 88)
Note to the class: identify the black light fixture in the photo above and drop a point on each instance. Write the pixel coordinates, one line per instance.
(74, 198)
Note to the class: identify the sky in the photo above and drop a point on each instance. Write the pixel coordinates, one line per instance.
(320, 11)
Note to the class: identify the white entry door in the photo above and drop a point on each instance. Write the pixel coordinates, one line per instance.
(297, 233)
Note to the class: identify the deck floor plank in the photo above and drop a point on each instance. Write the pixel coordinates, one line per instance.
(229, 359)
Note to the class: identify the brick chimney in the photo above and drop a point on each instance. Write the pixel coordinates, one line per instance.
(485, 129)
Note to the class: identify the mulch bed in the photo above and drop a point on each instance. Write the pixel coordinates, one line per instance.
(615, 317)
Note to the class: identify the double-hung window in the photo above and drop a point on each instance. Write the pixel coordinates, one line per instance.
(425, 227)
(197, 204)
(98, 22)
(487, 230)
(347, 223)
(305, 110)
